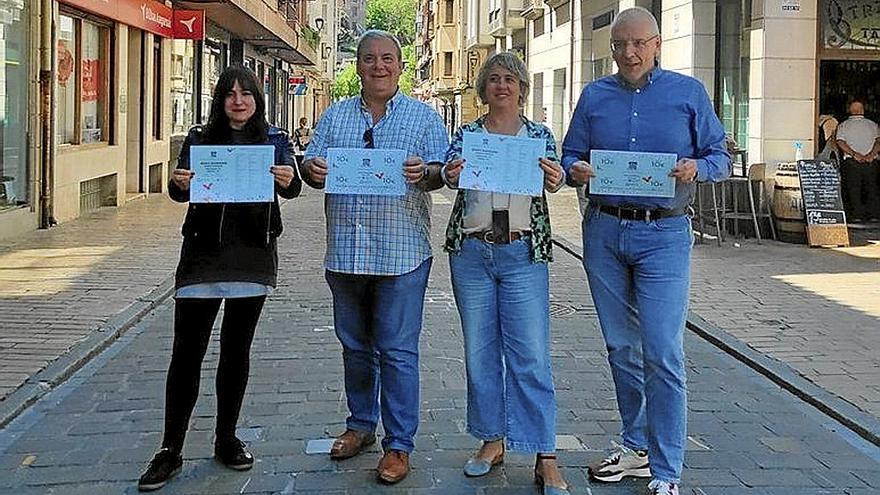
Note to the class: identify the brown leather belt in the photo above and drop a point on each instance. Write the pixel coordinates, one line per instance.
(488, 236)
(639, 214)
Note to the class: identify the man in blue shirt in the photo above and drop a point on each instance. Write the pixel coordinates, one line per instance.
(378, 253)
(637, 249)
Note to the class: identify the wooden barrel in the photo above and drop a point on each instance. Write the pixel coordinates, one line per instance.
(788, 205)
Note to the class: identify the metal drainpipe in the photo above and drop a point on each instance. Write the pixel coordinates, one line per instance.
(47, 157)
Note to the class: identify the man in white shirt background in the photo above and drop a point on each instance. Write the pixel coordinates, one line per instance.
(859, 139)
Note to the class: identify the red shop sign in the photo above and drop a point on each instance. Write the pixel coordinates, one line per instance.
(149, 15)
(189, 24)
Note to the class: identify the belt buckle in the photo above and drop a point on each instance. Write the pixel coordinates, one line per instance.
(488, 237)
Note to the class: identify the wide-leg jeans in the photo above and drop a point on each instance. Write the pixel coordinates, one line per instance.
(503, 301)
(639, 275)
(378, 320)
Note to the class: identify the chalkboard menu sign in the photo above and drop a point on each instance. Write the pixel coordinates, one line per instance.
(820, 189)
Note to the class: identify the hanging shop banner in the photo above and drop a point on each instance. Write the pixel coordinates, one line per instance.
(91, 77)
(189, 24)
(149, 15)
(852, 24)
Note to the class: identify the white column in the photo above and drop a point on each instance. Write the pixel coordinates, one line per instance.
(782, 82)
(689, 39)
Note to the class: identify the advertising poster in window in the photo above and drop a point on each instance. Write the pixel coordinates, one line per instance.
(91, 77)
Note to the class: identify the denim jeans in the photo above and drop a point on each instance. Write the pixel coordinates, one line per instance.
(503, 301)
(378, 320)
(639, 275)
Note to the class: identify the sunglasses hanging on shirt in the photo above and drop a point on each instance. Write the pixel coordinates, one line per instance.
(368, 139)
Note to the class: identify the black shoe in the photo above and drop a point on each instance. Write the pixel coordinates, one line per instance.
(233, 454)
(164, 466)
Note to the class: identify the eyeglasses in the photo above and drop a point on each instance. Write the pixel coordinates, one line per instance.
(368, 138)
(619, 46)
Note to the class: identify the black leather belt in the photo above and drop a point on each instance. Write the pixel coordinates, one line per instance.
(639, 214)
(489, 237)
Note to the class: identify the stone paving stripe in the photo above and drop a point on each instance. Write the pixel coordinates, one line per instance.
(81, 353)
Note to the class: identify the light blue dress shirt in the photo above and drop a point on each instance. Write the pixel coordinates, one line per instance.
(671, 113)
(379, 235)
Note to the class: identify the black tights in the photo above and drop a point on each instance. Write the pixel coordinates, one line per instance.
(193, 320)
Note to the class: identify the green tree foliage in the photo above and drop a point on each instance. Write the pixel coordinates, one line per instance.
(398, 17)
(408, 78)
(347, 83)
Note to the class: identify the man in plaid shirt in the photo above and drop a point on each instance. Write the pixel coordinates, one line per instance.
(378, 253)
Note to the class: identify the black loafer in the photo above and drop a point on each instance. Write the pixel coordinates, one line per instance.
(165, 465)
(234, 455)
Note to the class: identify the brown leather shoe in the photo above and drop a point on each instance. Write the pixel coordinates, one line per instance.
(351, 443)
(393, 467)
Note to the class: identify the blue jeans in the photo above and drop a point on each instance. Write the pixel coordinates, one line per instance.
(503, 301)
(378, 320)
(639, 274)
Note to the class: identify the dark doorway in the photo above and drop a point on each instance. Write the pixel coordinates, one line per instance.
(840, 80)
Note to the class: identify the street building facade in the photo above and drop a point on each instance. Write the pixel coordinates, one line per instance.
(771, 67)
(98, 94)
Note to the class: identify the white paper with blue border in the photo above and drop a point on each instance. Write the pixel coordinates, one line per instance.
(370, 171)
(502, 164)
(633, 173)
(232, 174)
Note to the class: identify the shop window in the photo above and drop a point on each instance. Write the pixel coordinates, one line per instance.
(732, 68)
(157, 88)
(14, 49)
(66, 81)
(93, 82)
(82, 81)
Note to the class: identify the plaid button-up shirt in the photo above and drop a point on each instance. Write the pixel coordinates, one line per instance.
(379, 235)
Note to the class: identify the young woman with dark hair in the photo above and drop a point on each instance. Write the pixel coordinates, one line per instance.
(229, 253)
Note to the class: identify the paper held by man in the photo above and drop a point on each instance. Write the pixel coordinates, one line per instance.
(502, 164)
(633, 173)
(365, 171)
(232, 174)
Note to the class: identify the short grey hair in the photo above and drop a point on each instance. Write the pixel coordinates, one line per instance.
(378, 34)
(511, 62)
(636, 13)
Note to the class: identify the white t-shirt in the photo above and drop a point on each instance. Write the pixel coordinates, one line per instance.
(859, 133)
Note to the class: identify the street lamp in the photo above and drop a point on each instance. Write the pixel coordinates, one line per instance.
(327, 51)
(319, 24)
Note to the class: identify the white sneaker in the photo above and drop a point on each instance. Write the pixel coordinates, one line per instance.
(620, 464)
(657, 487)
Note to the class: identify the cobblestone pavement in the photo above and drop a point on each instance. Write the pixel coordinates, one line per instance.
(815, 310)
(95, 433)
(60, 286)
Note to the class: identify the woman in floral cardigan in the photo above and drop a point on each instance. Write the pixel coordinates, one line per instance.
(499, 247)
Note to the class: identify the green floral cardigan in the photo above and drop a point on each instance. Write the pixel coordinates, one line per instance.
(541, 248)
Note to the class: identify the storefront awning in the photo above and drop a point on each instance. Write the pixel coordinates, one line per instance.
(264, 28)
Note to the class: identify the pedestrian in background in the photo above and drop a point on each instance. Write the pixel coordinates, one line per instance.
(859, 139)
(637, 249)
(229, 254)
(302, 135)
(499, 247)
(379, 254)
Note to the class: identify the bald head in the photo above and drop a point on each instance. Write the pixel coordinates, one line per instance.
(856, 108)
